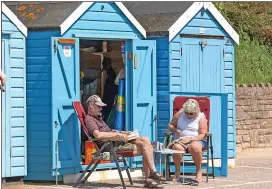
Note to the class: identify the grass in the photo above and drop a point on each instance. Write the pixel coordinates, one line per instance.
(253, 63)
(253, 22)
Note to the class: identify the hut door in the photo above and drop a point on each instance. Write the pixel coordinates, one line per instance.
(6, 145)
(65, 90)
(202, 71)
(144, 96)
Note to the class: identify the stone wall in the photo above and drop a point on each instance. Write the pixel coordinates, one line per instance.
(253, 116)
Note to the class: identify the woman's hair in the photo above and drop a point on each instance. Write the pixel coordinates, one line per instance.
(191, 106)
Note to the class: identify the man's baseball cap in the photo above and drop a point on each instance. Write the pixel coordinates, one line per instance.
(97, 100)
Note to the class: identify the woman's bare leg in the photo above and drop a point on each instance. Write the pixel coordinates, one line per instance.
(177, 159)
(195, 148)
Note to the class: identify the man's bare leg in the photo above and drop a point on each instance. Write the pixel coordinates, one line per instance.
(147, 151)
(138, 151)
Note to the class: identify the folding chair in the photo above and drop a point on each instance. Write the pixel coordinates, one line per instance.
(97, 157)
(204, 103)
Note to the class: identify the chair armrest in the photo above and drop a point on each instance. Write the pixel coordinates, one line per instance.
(208, 134)
(168, 133)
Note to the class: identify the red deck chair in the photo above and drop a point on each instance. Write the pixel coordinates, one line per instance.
(204, 103)
(114, 156)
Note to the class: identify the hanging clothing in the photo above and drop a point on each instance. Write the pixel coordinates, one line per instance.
(121, 75)
(110, 91)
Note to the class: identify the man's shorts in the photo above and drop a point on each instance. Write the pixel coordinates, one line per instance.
(121, 146)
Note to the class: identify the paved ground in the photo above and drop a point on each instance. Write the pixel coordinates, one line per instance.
(253, 170)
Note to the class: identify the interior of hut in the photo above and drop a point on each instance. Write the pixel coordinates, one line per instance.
(102, 73)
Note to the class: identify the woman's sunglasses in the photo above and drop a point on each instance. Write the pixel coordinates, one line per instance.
(189, 113)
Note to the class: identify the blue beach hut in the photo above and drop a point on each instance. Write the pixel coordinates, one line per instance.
(195, 55)
(68, 37)
(13, 98)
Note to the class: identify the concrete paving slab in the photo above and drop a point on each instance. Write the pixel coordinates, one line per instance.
(253, 171)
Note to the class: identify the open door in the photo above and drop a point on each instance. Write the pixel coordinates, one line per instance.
(6, 171)
(144, 87)
(65, 90)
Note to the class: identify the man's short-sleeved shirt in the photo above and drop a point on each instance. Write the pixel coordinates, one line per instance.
(92, 123)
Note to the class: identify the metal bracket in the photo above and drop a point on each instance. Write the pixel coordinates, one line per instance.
(156, 127)
(57, 158)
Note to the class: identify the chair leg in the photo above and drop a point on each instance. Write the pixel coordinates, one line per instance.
(119, 169)
(212, 158)
(208, 158)
(127, 170)
(84, 172)
(167, 167)
(91, 171)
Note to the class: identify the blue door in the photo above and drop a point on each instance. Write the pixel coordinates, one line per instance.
(6, 168)
(202, 70)
(144, 90)
(65, 90)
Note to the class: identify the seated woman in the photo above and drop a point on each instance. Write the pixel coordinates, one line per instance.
(189, 127)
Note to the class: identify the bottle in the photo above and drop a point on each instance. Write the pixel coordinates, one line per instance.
(104, 46)
(123, 51)
(123, 48)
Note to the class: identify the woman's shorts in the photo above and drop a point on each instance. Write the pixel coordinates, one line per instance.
(186, 145)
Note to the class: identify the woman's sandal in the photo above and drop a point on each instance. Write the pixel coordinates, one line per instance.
(156, 176)
(152, 184)
(195, 182)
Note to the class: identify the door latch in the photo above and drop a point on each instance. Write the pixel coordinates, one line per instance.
(135, 62)
(203, 43)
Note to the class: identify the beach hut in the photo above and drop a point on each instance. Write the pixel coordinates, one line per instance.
(64, 40)
(13, 97)
(195, 54)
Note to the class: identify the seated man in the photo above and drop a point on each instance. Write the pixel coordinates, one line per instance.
(140, 146)
(189, 127)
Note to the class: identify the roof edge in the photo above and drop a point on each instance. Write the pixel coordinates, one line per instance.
(184, 19)
(131, 18)
(222, 21)
(85, 5)
(74, 16)
(14, 19)
(192, 11)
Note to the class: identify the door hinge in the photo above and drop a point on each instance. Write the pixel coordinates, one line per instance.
(180, 51)
(56, 124)
(223, 52)
(55, 46)
(9, 48)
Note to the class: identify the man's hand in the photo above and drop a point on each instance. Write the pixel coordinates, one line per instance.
(186, 140)
(124, 137)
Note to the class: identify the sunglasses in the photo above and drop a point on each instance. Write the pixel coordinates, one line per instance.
(189, 113)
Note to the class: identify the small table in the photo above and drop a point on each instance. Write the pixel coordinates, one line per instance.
(170, 152)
